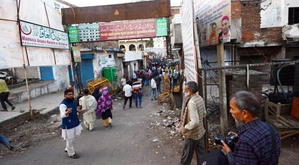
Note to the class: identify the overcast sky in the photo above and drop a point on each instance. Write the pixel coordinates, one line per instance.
(107, 2)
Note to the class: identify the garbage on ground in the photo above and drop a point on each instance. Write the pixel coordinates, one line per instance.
(155, 140)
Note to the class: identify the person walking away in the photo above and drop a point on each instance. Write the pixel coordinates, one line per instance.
(71, 126)
(137, 91)
(158, 81)
(154, 88)
(123, 81)
(4, 94)
(105, 107)
(128, 94)
(146, 79)
(166, 83)
(175, 78)
(134, 75)
(191, 126)
(5, 142)
(88, 105)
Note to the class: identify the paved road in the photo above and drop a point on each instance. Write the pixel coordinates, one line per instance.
(129, 142)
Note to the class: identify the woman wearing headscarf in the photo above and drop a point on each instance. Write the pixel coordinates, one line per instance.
(105, 107)
(96, 93)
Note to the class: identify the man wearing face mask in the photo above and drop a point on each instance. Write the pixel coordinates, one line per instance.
(71, 126)
(191, 126)
(259, 142)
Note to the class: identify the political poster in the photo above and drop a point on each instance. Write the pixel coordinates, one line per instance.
(213, 19)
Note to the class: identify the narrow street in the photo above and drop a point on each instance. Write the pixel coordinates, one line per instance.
(129, 142)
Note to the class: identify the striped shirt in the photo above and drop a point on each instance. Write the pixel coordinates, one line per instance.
(255, 145)
(136, 87)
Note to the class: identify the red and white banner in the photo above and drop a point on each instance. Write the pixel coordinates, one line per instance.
(127, 29)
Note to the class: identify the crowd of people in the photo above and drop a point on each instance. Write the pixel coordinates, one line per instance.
(152, 76)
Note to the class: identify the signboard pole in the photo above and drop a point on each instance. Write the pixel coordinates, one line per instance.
(27, 85)
(222, 90)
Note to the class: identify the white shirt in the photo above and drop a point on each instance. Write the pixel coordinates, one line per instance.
(134, 76)
(123, 82)
(153, 83)
(128, 90)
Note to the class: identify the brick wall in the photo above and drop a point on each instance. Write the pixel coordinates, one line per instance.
(251, 20)
(236, 9)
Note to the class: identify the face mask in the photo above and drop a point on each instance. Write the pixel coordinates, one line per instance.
(69, 99)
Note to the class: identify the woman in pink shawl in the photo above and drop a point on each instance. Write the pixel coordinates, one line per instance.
(105, 107)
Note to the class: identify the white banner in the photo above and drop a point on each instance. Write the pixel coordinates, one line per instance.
(40, 56)
(8, 9)
(214, 20)
(40, 36)
(188, 41)
(10, 47)
(63, 57)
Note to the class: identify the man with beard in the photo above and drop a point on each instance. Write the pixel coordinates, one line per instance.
(71, 126)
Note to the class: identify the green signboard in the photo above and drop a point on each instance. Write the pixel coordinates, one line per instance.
(73, 34)
(161, 25)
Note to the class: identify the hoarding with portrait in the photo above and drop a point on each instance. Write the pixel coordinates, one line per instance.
(213, 21)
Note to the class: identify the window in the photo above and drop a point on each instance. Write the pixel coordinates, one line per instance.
(141, 47)
(293, 15)
(122, 47)
(132, 47)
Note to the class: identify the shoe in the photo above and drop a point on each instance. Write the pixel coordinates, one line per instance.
(130, 106)
(123, 107)
(11, 148)
(140, 107)
(110, 124)
(65, 151)
(75, 156)
(13, 107)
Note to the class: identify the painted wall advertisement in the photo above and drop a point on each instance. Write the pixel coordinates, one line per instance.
(188, 41)
(40, 36)
(213, 19)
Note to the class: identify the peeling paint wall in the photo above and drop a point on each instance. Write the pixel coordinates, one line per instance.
(61, 77)
(272, 13)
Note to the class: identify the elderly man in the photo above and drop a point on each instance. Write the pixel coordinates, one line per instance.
(191, 126)
(259, 142)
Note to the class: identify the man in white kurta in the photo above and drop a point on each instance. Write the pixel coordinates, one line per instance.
(71, 126)
(88, 105)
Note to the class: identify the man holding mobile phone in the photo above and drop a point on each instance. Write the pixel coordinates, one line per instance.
(71, 126)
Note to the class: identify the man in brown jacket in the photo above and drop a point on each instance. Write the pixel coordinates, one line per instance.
(191, 126)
